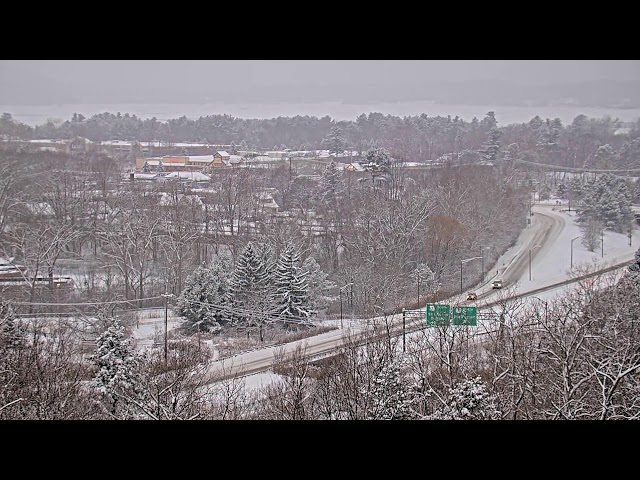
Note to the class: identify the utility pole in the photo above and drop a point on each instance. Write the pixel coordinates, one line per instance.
(341, 308)
(166, 312)
(404, 334)
(342, 288)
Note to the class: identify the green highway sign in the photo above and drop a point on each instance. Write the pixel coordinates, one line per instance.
(464, 316)
(437, 314)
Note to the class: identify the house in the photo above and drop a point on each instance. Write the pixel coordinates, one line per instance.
(199, 162)
(220, 158)
(78, 145)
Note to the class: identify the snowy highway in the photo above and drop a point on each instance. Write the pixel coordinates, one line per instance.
(544, 255)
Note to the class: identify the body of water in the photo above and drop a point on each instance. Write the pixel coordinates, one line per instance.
(39, 114)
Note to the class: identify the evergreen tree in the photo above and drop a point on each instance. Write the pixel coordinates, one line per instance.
(318, 285)
(329, 185)
(160, 168)
(607, 201)
(491, 147)
(489, 122)
(204, 302)
(561, 190)
(118, 377)
(378, 162)
(512, 153)
(265, 254)
(146, 168)
(468, 400)
(635, 266)
(605, 157)
(249, 287)
(630, 154)
(391, 394)
(290, 282)
(12, 333)
(335, 142)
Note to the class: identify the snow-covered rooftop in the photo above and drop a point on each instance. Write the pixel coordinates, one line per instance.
(196, 176)
(201, 159)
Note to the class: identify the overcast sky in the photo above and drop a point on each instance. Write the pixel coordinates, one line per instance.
(175, 81)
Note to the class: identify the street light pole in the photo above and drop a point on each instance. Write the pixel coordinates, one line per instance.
(546, 306)
(572, 240)
(602, 240)
(482, 257)
(461, 262)
(342, 288)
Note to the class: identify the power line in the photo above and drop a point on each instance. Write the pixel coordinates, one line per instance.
(260, 315)
(108, 302)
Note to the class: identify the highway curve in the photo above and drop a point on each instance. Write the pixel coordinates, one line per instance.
(545, 234)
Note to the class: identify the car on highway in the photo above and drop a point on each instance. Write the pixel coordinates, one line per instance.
(497, 284)
(472, 296)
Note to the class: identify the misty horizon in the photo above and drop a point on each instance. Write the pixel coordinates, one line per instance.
(592, 83)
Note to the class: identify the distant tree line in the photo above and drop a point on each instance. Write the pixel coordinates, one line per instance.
(586, 142)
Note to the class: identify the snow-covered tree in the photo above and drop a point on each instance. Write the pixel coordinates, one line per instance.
(468, 400)
(250, 289)
(635, 266)
(330, 183)
(118, 376)
(489, 122)
(335, 142)
(608, 201)
(265, 254)
(146, 168)
(491, 146)
(422, 277)
(12, 333)
(378, 162)
(290, 281)
(605, 157)
(512, 152)
(160, 167)
(630, 154)
(318, 285)
(391, 394)
(204, 302)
